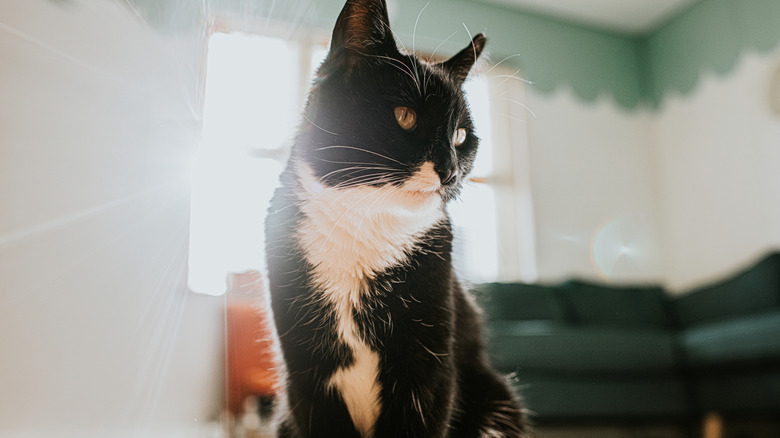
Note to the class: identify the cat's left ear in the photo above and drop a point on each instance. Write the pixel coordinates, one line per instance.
(362, 29)
(460, 65)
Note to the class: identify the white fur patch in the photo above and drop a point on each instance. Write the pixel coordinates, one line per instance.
(350, 235)
(359, 387)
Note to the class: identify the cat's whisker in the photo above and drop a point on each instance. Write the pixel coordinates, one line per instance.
(356, 165)
(471, 38)
(409, 72)
(368, 180)
(361, 150)
(502, 61)
(380, 200)
(374, 178)
(347, 211)
(412, 74)
(318, 126)
(433, 55)
(510, 117)
(414, 37)
(364, 174)
(395, 63)
(381, 172)
(377, 173)
(386, 26)
(512, 76)
(420, 90)
(416, 22)
(362, 180)
(358, 183)
(524, 106)
(428, 74)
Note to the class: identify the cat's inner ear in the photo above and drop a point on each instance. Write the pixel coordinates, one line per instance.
(460, 65)
(362, 29)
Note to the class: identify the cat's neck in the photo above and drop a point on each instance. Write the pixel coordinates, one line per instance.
(353, 234)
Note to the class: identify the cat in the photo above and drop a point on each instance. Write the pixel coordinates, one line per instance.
(377, 336)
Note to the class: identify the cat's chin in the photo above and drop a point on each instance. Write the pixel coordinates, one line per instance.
(417, 200)
(422, 196)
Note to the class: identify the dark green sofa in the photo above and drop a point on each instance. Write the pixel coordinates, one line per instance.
(588, 351)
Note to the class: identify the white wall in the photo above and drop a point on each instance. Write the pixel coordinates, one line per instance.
(692, 189)
(593, 181)
(99, 116)
(718, 157)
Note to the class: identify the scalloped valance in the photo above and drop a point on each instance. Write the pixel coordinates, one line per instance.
(710, 36)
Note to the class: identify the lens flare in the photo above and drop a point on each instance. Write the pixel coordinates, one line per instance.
(612, 243)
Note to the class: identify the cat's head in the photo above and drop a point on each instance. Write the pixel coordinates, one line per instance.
(378, 116)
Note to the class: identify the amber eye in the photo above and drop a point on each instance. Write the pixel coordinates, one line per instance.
(406, 118)
(459, 137)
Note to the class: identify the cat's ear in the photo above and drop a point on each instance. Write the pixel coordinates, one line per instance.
(362, 29)
(460, 65)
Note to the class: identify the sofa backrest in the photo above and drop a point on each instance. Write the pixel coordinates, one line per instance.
(577, 303)
(756, 289)
(518, 301)
(600, 304)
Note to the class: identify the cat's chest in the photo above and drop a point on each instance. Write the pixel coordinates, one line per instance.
(351, 235)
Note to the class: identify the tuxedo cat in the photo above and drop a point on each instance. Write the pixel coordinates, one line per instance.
(378, 337)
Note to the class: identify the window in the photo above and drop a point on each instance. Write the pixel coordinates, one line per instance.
(493, 220)
(250, 115)
(473, 214)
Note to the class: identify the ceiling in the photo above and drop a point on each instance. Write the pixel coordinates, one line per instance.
(625, 16)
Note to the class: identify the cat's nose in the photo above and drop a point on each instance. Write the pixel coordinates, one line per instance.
(447, 174)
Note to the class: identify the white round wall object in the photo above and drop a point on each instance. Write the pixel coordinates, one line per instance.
(774, 91)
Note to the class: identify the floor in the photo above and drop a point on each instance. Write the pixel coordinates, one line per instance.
(712, 426)
(255, 421)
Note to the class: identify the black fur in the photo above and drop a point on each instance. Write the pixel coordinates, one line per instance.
(417, 318)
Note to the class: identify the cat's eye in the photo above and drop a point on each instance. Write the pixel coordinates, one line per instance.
(406, 118)
(459, 136)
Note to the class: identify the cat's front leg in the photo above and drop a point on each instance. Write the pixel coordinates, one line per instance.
(417, 405)
(314, 413)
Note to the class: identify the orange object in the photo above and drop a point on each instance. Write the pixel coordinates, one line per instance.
(251, 366)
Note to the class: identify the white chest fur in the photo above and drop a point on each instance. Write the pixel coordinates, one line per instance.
(350, 235)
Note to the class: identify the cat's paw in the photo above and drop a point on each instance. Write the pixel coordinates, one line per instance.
(496, 433)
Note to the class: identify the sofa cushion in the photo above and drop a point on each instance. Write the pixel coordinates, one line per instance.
(754, 393)
(551, 396)
(618, 306)
(754, 290)
(556, 347)
(517, 301)
(734, 341)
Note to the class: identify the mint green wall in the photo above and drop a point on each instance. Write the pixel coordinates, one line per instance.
(709, 37)
(549, 53)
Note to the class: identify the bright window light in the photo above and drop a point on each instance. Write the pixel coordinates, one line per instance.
(474, 214)
(251, 92)
(250, 112)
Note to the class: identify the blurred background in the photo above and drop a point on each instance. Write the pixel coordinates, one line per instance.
(625, 143)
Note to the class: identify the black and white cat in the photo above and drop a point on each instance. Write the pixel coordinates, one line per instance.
(378, 338)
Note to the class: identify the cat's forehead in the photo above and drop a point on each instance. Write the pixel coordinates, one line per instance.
(423, 81)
